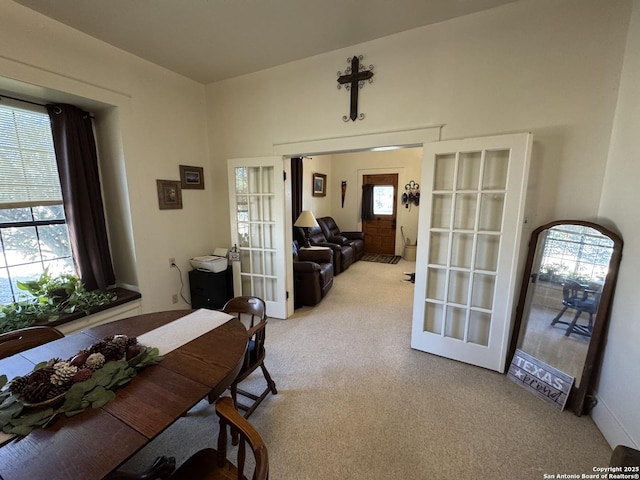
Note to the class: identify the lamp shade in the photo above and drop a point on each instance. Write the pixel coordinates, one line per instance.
(306, 219)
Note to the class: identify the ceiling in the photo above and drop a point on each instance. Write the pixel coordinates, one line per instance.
(211, 40)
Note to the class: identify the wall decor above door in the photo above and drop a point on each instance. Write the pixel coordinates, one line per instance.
(353, 80)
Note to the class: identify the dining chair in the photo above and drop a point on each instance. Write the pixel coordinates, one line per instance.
(252, 311)
(582, 300)
(22, 339)
(211, 464)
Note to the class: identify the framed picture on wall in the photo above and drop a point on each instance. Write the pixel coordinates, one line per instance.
(319, 185)
(169, 194)
(192, 177)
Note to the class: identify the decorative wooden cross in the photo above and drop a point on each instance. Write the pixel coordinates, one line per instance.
(353, 79)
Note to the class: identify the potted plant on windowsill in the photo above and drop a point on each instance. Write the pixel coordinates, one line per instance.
(50, 298)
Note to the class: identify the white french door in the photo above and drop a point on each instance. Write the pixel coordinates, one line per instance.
(472, 211)
(256, 200)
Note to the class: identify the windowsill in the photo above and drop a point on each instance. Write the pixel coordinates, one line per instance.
(124, 296)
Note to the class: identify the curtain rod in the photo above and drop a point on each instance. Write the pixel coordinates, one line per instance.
(2, 95)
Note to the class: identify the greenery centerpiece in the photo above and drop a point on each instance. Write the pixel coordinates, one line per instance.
(48, 298)
(89, 378)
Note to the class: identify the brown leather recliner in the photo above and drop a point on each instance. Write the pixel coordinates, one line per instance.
(343, 255)
(312, 274)
(333, 234)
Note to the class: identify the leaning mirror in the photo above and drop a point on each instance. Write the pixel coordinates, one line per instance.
(563, 308)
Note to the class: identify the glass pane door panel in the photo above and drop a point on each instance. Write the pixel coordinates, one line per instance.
(242, 208)
(483, 290)
(436, 281)
(455, 323)
(441, 211)
(267, 180)
(242, 180)
(254, 207)
(243, 235)
(462, 250)
(496, 165)
(433, 318)
(469, 171)
(258, 286)
(254, 179)
(487, 251)
(270, 263)
(444, 172)
(439, 248)
(479, 328)
(245, 260)
(257, 262)
(246, 285)
(267, 202)
(256, 235)
(491, 207)
(458, 287)
(269, 236)
(465, 216)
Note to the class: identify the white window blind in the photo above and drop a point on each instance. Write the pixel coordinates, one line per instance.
(28, 170)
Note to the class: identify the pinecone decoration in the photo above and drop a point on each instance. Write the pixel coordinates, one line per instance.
(82, 375)
(94, 361)
(64, 372)
(36, 392)
(53, 361)
(58, 390)
(110, 350)
(119, 340)
(17, 385)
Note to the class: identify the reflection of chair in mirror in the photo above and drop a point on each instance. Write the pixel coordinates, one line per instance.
(582, 300)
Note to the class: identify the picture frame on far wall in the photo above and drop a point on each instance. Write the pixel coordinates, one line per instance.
(319, 185)
(169, 194)
(191, 177)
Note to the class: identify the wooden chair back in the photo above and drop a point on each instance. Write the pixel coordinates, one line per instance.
(211, 464)
(25, 338)
(252, 312)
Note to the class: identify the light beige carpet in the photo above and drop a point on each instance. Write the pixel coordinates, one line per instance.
(356, 402)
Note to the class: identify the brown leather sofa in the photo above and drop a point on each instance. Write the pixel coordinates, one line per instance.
(312, 275)
(333, 234)
(343, 255)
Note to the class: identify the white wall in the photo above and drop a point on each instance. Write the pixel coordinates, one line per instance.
(618, 391)
(151, 120)
(544, 66)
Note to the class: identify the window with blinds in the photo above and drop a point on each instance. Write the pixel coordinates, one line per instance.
(33, 230)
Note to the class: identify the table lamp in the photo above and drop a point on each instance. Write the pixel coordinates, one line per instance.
(306, 220)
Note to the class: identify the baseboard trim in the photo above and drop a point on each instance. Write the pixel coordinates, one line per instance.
(610, 427)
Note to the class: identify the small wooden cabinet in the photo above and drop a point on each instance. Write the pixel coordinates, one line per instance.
(210, 290)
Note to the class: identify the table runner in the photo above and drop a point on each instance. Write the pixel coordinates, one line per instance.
(175, 334)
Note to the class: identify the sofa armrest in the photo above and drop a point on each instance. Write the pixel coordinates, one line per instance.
(353, 235)
(339, 239)
(305, 267)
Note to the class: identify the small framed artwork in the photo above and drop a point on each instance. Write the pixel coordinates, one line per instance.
(191, 177)
(169, 194)
(319, 185)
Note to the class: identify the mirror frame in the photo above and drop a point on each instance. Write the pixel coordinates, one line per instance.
(578, 395)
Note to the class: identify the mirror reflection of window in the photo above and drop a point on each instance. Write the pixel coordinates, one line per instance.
(383, 200)
(577, 253)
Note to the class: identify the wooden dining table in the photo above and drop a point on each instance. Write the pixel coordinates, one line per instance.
(98, 441)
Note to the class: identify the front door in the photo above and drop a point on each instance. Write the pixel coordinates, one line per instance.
(380, 231)
(472, 210)
(256, 201)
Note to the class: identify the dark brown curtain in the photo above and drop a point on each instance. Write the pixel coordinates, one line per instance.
(77, 159)
(296, 188)
(367, 201)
